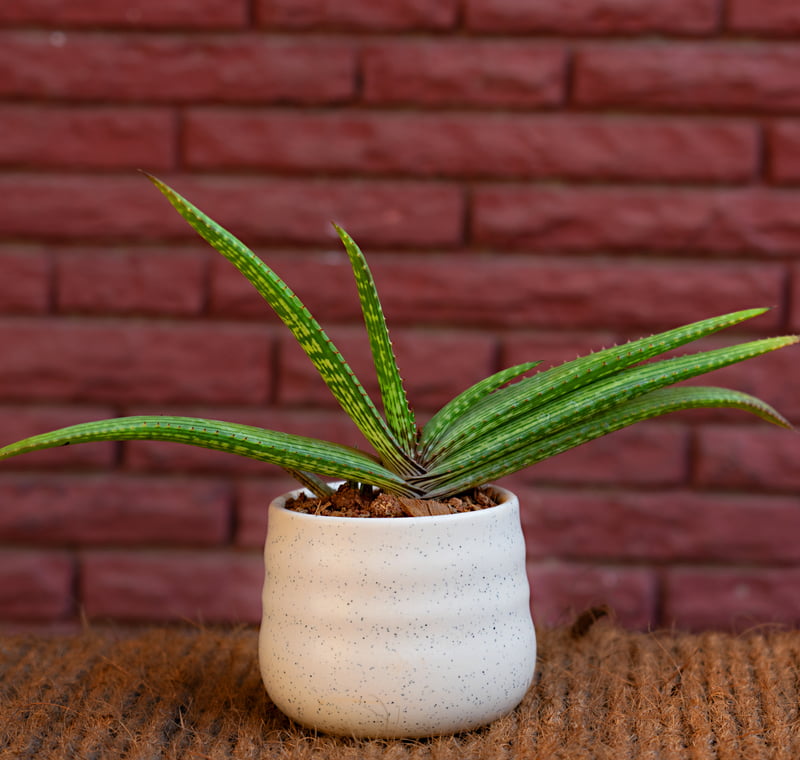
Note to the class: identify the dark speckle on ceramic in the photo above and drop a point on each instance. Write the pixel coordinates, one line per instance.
(389, 627)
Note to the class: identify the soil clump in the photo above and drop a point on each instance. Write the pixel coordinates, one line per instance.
(351, 501)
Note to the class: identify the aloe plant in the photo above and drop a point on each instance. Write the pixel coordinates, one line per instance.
(498, 426)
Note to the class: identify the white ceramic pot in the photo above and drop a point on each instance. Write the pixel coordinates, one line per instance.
(396, 627)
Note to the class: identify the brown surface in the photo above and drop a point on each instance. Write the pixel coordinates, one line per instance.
(349, 501)
(600, 692)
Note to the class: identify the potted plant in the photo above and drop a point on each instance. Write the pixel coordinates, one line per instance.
(417, 625)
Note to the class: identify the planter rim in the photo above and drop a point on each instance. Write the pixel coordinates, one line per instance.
(505, 498)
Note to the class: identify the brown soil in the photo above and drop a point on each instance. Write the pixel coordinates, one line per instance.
(350, 501)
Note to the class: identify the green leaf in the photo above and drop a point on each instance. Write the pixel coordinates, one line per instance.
(333, 369)
(645, 407)
(308, 480)
(292, 452)
(520, 399)
(446, 416)
(601, 395)
(395, 402)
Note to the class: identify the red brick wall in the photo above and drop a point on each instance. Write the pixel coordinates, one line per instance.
(530, 179)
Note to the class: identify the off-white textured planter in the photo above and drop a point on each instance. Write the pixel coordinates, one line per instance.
(390, 627)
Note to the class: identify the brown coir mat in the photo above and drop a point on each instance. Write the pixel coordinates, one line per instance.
(599, 693)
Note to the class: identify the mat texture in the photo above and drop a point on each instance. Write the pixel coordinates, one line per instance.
(599, 693)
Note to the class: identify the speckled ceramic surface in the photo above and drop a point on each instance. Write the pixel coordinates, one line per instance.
(396, 626)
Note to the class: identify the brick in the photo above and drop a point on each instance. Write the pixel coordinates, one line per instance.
(47, 628)
(641, 455)
(35, 585)
(380, 213)
(562, 591)
(69, 207)
(323, 281)
(689, 76)
(146, 13)
(668, 526)
(795, 300)
(176, 587)
(784, 147)
(282, 210)
(514, 292)
(18, 422)
(131, 281)
(552, 348)
(754, 457)
(86, 137)
(85, 510)
(752, 221)
(766, 377)
(779, 17)
(456, 72)
(325, 284)
(231, 295)
(133, 362)
(254, 497)
(435, 366)
(157, 456)
(172, 69)
(592, 16)
(464, 145)
(731, 598)
(361, 15)
(24, 281)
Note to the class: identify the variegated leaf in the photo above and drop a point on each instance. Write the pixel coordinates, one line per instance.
(462, 403)
(289, 451)
(395, 402)
(645, 407)
(495, 410)
(598, 397)
(326, 358)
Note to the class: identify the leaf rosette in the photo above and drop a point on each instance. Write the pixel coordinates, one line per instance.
(500, 425)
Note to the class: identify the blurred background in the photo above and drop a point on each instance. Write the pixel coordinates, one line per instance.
(529, 180)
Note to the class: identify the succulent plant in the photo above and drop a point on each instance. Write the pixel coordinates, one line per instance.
(500, 425)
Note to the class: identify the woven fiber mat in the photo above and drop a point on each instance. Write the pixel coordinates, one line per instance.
(599, 693)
